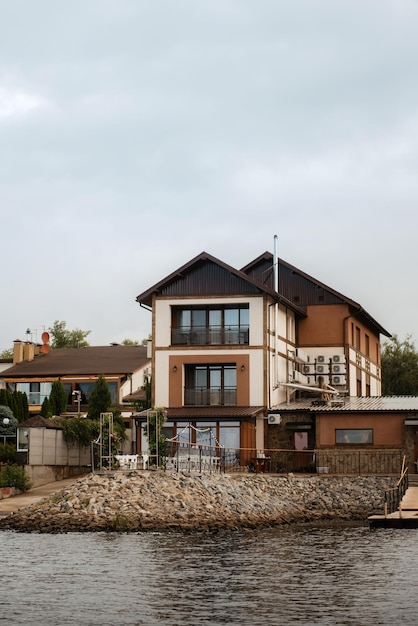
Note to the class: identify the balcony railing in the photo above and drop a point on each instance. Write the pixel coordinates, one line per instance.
(36, 398)
(212, 335)
(202, 396)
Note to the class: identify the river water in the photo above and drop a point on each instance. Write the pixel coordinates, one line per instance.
(303, 574)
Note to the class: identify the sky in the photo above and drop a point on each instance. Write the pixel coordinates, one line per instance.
(136, 134)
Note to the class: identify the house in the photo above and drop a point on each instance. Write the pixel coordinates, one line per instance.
(229, 346)
(370, 434)
(125, 369)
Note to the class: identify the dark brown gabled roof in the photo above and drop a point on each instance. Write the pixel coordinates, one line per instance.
(294, 281)
(88, 361)
(205, 275)
(37, 421)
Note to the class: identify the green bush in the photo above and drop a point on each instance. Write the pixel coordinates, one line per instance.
(79, 431)
(7, 453)
(14, 476)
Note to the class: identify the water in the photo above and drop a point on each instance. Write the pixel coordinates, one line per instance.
(309, 574)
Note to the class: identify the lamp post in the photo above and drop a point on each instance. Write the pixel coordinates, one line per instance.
(6, 421)
(77, 396)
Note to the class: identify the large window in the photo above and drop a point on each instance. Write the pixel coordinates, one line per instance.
(218, 325)
(87, 388)
(354, 436)
(214, 385)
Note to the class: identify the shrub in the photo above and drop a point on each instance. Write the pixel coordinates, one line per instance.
(79, 431)
(14, 476)
(7, 453)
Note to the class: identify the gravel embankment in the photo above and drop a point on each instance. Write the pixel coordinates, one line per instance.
(154, 500)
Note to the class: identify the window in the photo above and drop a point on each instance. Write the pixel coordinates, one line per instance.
(22, 443)
(216, 325)
(357, 344)
(354, 436)
(87, 388)
(211, 385)
(35, 391)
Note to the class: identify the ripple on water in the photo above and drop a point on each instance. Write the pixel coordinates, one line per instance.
(305, 574)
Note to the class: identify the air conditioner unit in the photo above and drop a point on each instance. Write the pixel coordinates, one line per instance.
(309, 369)
(321, 369)
(301, 356)
(311, 380)
(274, 418)
(338, 369)
(321, 358)
(338, 380)
(338, 358)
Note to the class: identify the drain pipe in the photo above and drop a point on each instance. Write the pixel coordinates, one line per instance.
(276, 313)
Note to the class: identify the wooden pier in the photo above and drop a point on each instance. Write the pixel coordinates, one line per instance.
(406, 515)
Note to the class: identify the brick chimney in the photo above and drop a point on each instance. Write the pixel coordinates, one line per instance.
(28, 351)
(17, 351)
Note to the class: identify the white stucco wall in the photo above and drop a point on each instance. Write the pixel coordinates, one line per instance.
(163, 316)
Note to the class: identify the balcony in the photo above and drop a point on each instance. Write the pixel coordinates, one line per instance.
(202, 396)
(212, 335)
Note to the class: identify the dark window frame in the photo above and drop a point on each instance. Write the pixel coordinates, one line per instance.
(209, 394)
(353, 436)
(209, 334)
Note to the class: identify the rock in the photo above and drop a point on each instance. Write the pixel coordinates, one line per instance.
(157, 500)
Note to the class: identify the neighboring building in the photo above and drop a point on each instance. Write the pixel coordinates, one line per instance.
(4, 365)
(377, 431)
(229, 346)
(125, 369)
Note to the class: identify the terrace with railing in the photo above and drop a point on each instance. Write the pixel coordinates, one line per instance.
(201, 458)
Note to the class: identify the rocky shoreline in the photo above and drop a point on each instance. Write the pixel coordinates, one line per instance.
(156, 500)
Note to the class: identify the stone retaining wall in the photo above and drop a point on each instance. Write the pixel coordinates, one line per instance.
(157, 500)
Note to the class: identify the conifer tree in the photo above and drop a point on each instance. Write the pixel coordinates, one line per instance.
(58, 398)
(46, 410)
(100, 399)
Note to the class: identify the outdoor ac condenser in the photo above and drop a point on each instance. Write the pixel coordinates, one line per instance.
(274, 418)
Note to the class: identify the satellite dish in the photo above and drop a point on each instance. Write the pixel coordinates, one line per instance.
(45, 337)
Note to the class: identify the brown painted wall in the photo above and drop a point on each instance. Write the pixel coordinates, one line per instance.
(387, 428)
(323, 326)
(176, 379)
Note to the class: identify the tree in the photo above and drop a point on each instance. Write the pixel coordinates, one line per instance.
(130, 342)
(8, 422)
(17, 401)
(142, 405)
(46, 410)
(7, 353)
(64, 338)
(100, 399)
(58, 398)
(399, 362)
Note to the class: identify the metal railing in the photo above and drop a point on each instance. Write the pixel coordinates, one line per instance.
(393, 497)
(196, 457)
(215, 396)
(210, 335)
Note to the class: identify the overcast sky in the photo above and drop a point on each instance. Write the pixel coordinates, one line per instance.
(135, 134)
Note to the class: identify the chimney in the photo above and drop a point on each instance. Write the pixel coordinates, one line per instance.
(29, 351)
(17, 351)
